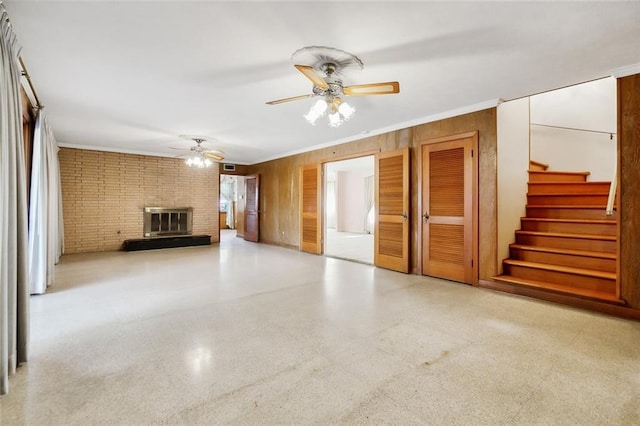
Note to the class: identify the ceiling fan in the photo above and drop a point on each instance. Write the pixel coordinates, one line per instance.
(198, 155)
(322, 66)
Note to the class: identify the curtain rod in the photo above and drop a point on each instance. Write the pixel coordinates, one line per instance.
(26, 75)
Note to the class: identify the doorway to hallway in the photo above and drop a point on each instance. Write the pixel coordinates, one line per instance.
(349, 213)
(228, 204)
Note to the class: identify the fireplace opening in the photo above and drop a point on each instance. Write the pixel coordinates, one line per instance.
(165, 221)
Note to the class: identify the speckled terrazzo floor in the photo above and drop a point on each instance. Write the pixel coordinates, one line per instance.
(248, 334)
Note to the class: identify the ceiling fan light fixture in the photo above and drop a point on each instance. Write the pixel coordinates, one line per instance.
(317, 110)
(346, 110)
(199, 156)
(198, 161)
(334, 119)
(339, 111)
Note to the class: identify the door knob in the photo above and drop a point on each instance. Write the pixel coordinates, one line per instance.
(404, 216)
(425, 216)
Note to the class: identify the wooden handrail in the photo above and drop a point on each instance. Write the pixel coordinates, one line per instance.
(612, 190)
(576, 129)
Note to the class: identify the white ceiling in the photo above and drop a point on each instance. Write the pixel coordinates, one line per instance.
(133, 76)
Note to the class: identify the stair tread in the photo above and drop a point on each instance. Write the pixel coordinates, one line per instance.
(571, 252)
(565, 206)
(560, 268)
(559, 172)
(570, 194)
(564, 235)
(553, 220)
(594, 294)
(570, 182)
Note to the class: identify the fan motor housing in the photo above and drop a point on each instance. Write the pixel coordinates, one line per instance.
(334, 89)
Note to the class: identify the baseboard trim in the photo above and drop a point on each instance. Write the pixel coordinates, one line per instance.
(277, 244)
(562, 299)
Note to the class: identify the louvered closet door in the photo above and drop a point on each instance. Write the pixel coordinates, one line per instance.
(391, 234)
(449, 218)
(311, 209)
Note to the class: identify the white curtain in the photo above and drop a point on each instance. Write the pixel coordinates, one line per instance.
(45, 208)
(228, 194)
(368, 204)
(231, 221)
(332, 221)
(14, 286)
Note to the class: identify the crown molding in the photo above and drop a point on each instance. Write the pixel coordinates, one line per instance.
(626, 71)
(134, 152)
(492, 103)
(112, 149)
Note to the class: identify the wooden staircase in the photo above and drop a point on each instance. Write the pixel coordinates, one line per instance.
(567, 244)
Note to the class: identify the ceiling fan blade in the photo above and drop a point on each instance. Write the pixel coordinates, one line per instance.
(387, 88)
(295, 98)
(312, 75)
(179, 149)
(214, 155)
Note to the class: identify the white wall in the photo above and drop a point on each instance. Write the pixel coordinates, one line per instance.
(590, 106)
(513, 163)
(350, 205)
(331, 202)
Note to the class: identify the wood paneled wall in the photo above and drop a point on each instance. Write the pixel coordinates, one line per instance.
(104, 193)
(279, 181)
(279, 221)
(629, 188)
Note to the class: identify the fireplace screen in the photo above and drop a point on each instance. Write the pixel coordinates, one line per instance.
(162, 221)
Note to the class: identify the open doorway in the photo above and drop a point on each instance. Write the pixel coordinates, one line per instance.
(228, 206)
(349, 209)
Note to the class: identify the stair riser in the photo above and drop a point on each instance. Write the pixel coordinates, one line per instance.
(569, 200)
(562, 278)
(585, 262)
(591, 294)
(567, 243)
(556, 177)
(560, 213)
(568, 188)
(571, 227)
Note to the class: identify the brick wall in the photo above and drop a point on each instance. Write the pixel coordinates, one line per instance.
(104, 193)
